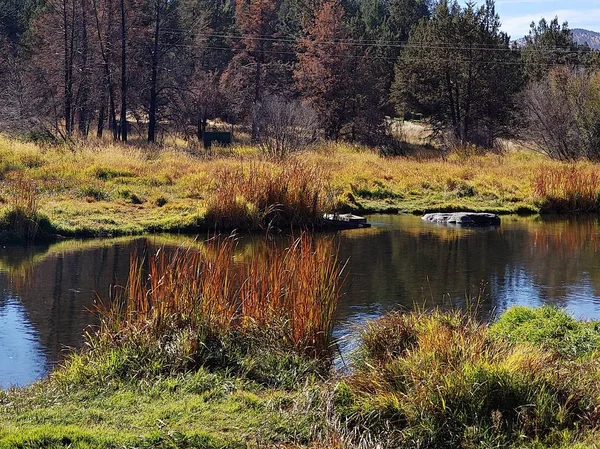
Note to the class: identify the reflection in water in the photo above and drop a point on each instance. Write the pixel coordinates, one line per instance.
(400, 262)
(22, 359)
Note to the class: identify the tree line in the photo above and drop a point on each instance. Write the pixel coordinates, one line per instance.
(333, 68)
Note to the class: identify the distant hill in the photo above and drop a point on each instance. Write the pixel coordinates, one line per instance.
(592, 38)
(581, 36)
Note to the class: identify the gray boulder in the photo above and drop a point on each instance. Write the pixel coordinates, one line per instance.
(463, 219)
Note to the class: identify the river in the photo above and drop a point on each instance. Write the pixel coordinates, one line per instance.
(46, 292)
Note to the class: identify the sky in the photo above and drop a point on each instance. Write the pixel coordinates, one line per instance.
(516, 15)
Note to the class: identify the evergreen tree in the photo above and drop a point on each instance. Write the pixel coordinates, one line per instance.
(459, 70)
(550, 44)
(324, 70)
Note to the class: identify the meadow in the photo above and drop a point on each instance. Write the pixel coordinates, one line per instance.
(107, 189)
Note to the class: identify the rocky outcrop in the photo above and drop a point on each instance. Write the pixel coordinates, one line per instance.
(463, 219)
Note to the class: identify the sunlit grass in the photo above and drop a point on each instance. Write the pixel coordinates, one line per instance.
(442, 380)
(108, 189)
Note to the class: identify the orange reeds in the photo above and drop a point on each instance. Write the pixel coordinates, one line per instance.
(568, 189)
(261, 194)
(294, 289)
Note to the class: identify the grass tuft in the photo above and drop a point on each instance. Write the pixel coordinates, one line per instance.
(570, 189)
(268, 318)
(442, 380)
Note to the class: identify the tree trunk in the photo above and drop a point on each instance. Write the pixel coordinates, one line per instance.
(68, 88)
(101, 119)
(84, 87)
(256, 102)
(123, 74)
(154, 77)
(112, 118)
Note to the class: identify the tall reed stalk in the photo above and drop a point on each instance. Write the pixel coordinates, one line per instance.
(568, 189)
(289, 293)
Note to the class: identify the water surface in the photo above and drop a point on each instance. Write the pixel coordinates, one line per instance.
(46, 291)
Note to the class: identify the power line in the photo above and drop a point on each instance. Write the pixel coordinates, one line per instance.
(356, 42)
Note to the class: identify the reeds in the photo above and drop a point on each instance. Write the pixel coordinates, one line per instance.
(22, 218)
(281, 298)
(260, 194)
(571, 189)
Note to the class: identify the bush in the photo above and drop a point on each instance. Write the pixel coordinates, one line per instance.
(442, 380)
(550, 328)
(563, 114)
(285, 126)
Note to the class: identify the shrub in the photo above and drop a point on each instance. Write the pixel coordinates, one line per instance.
(441, 380)
(285, 126)
(563, 114)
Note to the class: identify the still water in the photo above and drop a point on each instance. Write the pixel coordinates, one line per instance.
(46, 291)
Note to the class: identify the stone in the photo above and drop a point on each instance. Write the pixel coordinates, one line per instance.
(463, 219)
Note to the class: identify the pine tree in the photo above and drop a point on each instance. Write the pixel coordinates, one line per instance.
(459, 70)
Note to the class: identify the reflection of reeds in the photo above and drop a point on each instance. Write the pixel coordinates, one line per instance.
(295, 289)
(568, 189)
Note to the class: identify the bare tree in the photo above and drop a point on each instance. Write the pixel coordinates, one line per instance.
(285, 126)
(563, 115)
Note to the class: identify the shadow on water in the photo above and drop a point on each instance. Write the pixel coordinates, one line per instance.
(400, 262)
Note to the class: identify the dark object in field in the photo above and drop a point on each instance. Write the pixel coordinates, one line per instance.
(222, 137)
(463, 219)
(345, 221)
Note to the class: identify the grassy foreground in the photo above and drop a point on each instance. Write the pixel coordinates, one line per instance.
(430, 380)
(106, 189)
(203, 349)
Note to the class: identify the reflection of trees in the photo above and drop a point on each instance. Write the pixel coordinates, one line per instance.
(412, 262)
(58, 286)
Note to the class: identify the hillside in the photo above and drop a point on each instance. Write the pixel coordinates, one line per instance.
(581, 36)
(592, 38)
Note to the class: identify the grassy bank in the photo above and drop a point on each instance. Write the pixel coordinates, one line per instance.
(430, 380)
(106, 189)
(203, 349)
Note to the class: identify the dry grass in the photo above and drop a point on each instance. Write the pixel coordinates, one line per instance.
(105, 188)
(571, 189)
(180, 304)
(442, 380)
(255, 196)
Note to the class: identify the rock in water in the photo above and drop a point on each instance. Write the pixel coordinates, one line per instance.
(464, 219)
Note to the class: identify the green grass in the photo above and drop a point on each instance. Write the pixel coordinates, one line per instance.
(194, 410)
(109, 189)
(443, 380)
(550, 328)
(421, 379)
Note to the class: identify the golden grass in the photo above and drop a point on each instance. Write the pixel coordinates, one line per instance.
(574, 188)
(103, 188)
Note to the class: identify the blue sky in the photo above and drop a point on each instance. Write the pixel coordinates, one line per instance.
(516, 15)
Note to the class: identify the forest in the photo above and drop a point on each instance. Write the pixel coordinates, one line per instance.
(291, 72)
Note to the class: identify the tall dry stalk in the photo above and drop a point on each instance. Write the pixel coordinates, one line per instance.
(570, 189)
(293, 291)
